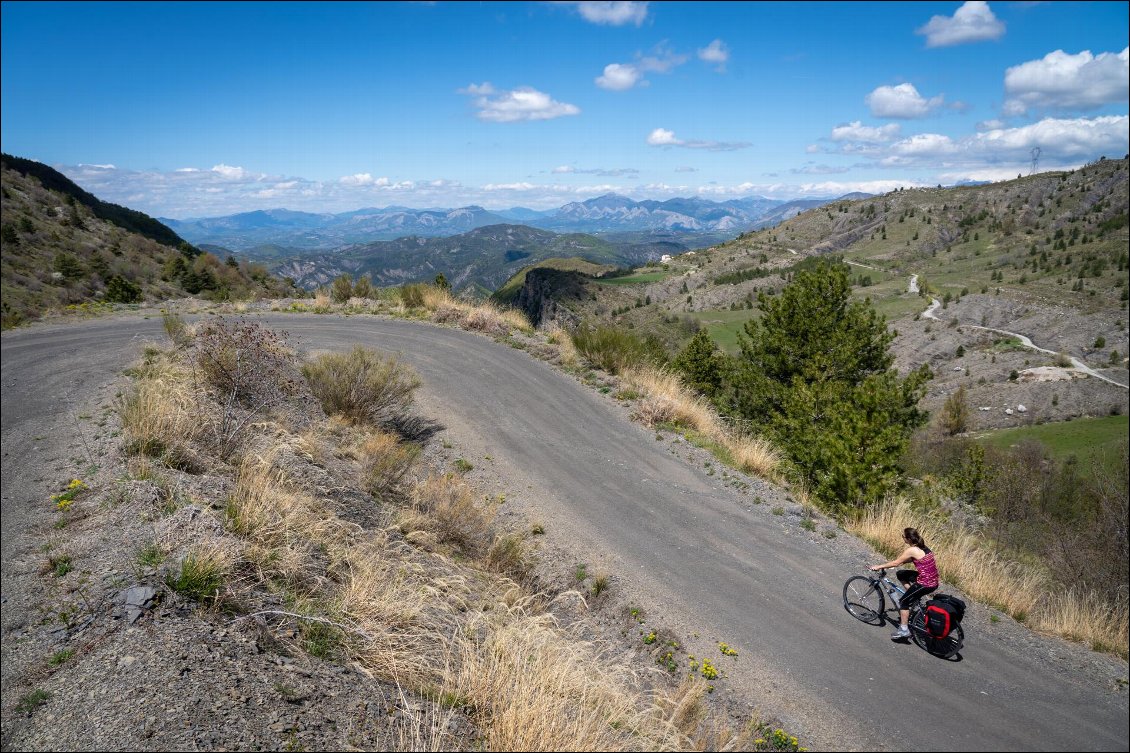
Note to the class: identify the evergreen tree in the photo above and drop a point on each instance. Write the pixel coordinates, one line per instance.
(701, 365)
(815, 374)
(121, 290)
(342, 288)
(442, 283)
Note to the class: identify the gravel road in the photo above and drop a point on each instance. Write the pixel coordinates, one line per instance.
(695, 551)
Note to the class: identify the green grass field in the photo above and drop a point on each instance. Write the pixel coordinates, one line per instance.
(1085, 438)
(723, 326)
(639, 277)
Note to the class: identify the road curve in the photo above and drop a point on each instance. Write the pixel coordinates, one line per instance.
(718, 566)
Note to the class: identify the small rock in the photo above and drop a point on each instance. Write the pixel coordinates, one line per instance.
(1008, 411)
(1021, 409)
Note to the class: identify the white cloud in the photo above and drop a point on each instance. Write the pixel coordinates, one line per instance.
(716, 52)
(611, 12)
(229, 172)
(1060, 81)
(902, 101)
(664, 137)
(816, 148)
(99, 167)
(1060, 140)
(523, 103)
(619, 76)
(359, 179)
(686, 169)
(988, 125)
(523, 186)
(972, 22)
(623, 76)
(855, 131)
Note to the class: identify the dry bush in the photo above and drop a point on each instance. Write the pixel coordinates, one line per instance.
(1023, 590)
(539, 688)
(448, 509)
(361, 385)
(385, 461)
(176, 328)
(244, 362)
(412, 296)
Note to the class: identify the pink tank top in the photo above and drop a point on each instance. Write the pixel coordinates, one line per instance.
(927, 570)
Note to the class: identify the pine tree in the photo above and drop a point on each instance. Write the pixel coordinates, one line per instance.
(815, 374)
(701, 365)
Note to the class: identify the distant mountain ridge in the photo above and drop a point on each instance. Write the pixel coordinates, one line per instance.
(481, 259)
(305, 231)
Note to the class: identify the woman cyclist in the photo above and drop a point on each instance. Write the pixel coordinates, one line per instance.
(918, 582)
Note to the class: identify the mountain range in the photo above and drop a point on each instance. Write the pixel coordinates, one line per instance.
(280, 232)
(482, 259)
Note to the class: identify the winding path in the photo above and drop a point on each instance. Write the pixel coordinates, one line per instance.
(702, 557)
(935, 304)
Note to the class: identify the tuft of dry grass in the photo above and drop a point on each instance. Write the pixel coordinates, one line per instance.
(557, 335)
(668, 401)
(159, 415)
(446, 507)
(385, 461)
(756, 455)
(1022, 590)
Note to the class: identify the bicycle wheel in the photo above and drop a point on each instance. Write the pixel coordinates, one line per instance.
(940, 647)
(863, 599)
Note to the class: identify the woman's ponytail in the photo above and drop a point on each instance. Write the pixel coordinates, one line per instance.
(914, 537)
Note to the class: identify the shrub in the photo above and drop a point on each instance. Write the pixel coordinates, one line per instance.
(362, 385)
(121, 290)
(412, 296)
(954, 417)
(342, 288)
(176, 328)
(244, 362)
(615, 350)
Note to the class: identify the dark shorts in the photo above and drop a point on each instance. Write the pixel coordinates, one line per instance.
(915, 591)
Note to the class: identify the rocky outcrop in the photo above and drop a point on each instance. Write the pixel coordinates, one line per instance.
(546, 295)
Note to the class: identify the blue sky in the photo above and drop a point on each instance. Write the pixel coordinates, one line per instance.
(199, 109)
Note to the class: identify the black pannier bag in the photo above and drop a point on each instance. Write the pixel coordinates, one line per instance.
(942, 614)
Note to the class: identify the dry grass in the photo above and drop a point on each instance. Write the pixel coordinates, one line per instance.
(544, 690)
(446, 507)
(1023, 590)
(668, 401)
(485, 317)
(159, 414)
(557, 335)
(385, 462)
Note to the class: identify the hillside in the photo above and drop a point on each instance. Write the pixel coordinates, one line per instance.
(62, 246)
(482, 258)
(1043, 256)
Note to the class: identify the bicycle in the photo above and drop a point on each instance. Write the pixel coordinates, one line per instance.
(865, 599)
